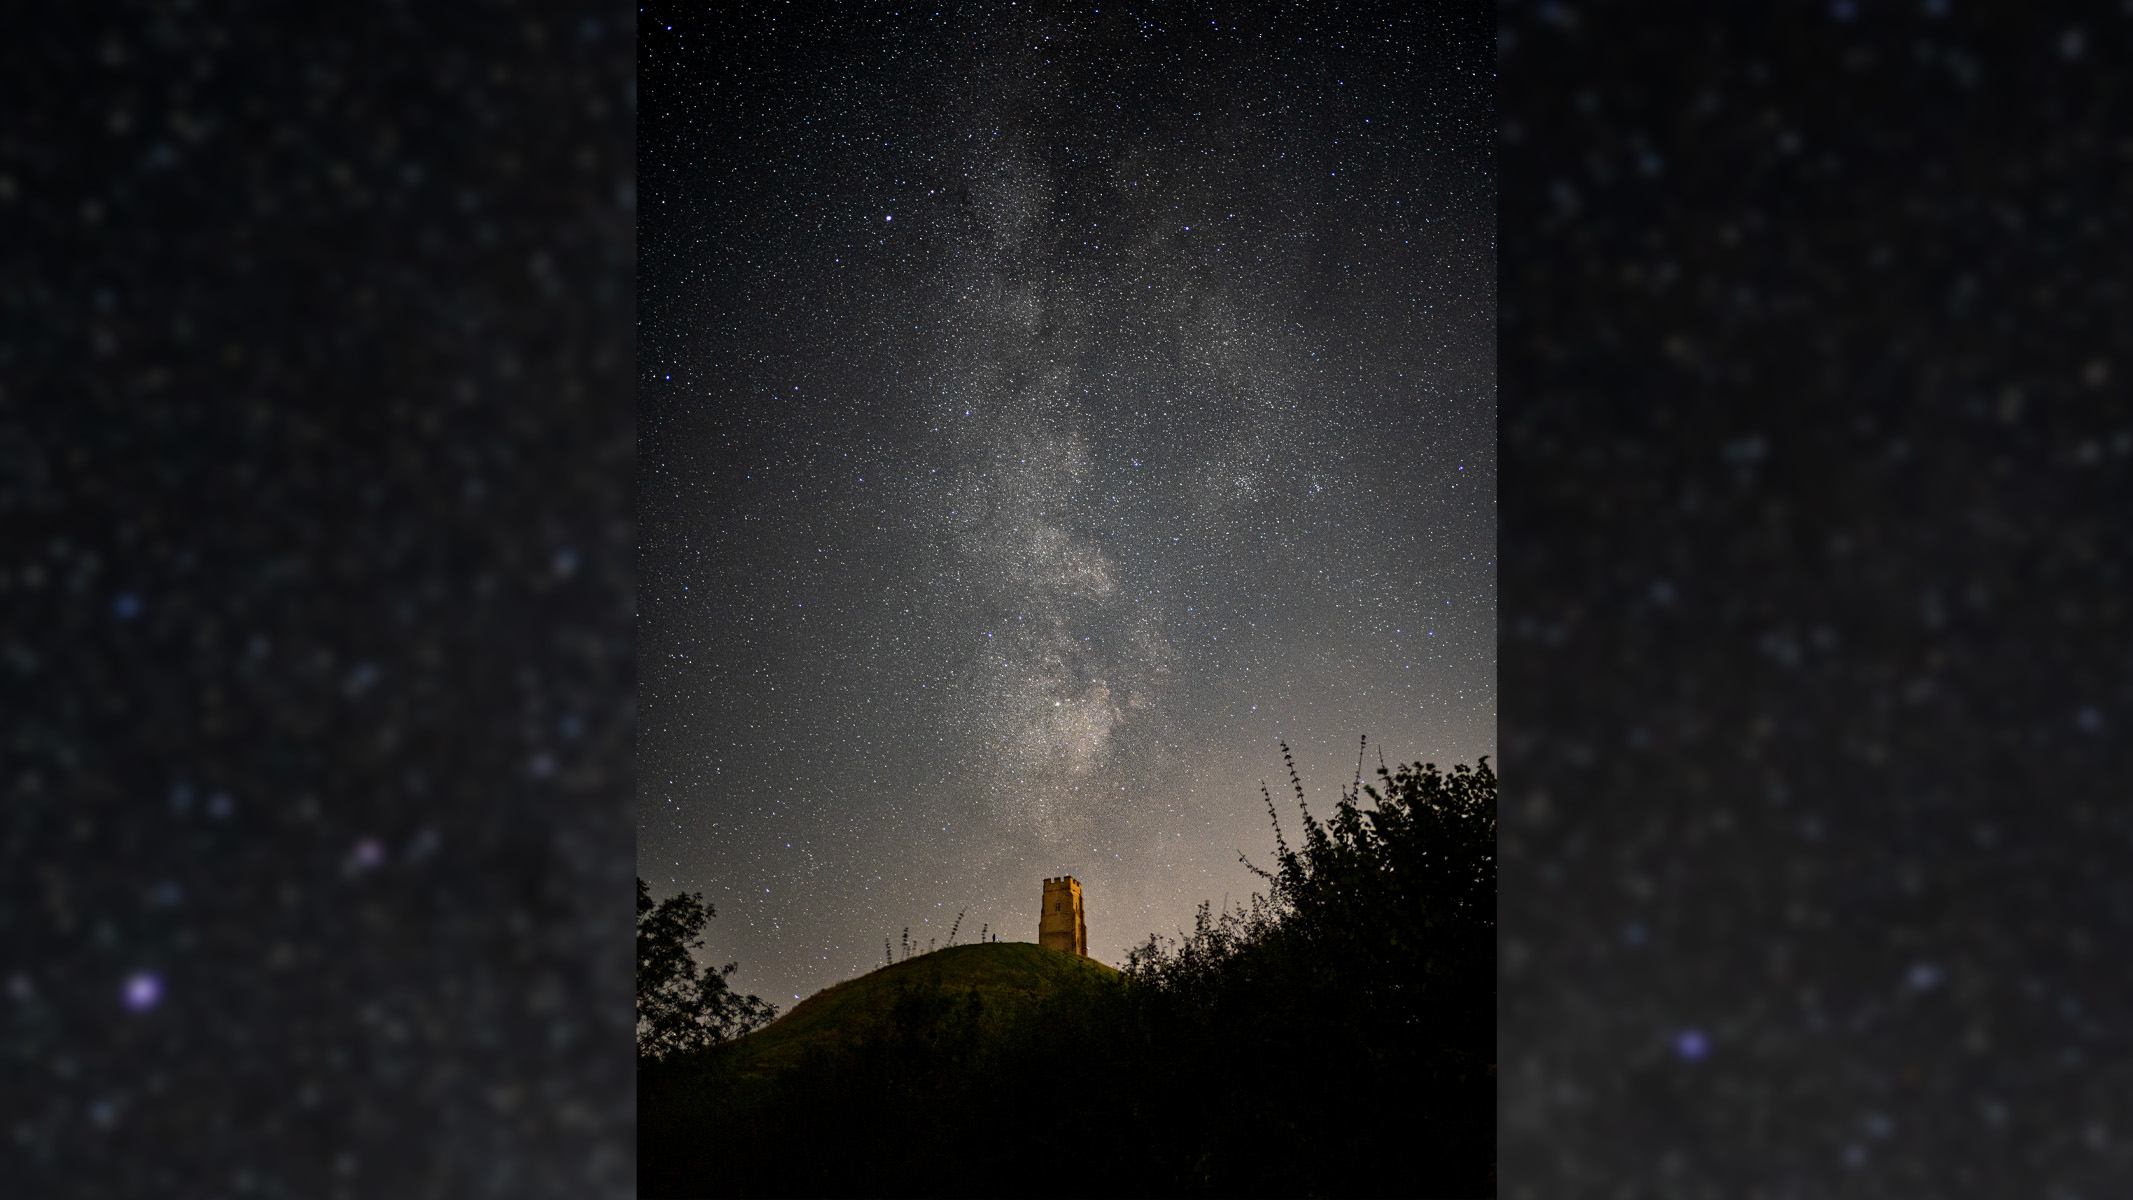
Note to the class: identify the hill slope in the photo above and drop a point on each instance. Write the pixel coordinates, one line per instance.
(913, 1045)
(1006, 979)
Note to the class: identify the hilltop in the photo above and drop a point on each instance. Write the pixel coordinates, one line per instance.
(1006, 980)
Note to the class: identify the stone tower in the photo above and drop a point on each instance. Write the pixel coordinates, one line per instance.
(1060, 924)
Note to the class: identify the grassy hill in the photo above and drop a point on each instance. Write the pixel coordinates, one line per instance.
(927, 1017)
(917, 1030)
(1006, 979)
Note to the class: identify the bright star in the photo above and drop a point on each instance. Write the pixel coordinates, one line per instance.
(143, 989)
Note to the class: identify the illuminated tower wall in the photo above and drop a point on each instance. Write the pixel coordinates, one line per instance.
(1060, 924)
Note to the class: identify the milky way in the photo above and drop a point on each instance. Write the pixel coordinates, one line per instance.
(1045, 413)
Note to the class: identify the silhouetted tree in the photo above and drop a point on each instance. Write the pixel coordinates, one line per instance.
(681, 1007)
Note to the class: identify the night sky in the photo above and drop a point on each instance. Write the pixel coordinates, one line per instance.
(1045, 412)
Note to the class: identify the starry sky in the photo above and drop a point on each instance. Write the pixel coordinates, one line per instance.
(1045, 412)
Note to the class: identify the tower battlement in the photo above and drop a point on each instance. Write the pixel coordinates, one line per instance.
(1060, 922)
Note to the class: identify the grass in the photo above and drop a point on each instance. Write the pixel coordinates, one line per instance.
(995, 984)
(1008, 978)
(727, 1120)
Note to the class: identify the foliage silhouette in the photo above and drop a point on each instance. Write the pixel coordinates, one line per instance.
(681, 1008)
(1365, 981)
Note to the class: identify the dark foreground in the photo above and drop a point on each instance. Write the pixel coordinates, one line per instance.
(1336, 1040)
